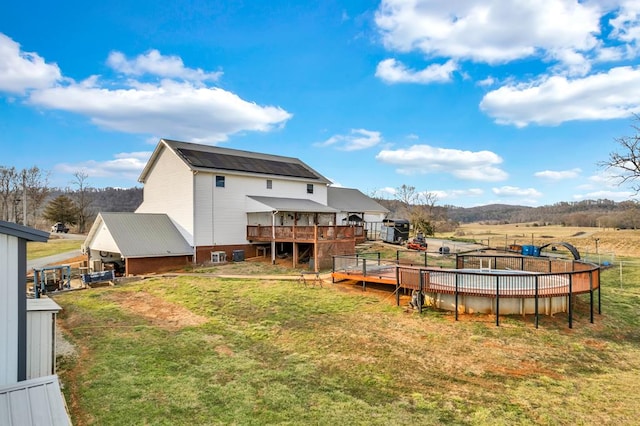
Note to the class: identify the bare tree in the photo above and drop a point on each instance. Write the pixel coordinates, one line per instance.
(36, 189)
(8, 177)
(626, 161)
(418, 208)
(83, 199)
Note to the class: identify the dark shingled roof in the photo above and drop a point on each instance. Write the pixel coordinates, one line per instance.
(219, 161)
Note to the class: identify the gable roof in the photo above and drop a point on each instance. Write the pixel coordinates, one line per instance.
(141, 234)
(24, 232)
(33, 402)
(215, 159)
(351, 201)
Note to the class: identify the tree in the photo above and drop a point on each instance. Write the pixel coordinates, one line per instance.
(83, 199)
(626, 161)
(36, 189)
(22, 193)
(418, 208)
(61, 209)
(8, 178)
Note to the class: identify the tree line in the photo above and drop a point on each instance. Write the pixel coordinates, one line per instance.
(26, 198)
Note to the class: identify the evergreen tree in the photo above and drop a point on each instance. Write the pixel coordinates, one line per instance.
(61, 209)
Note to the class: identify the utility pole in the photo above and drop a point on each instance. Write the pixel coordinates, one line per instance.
(24, 197)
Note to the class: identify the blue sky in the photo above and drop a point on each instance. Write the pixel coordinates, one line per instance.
(476, 102)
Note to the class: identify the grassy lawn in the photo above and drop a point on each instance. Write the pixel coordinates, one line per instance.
(53, 246)
(199, 350)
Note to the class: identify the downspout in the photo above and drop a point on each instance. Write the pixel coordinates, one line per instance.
(273, 236)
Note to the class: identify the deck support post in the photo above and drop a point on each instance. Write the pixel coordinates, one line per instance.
(497, 302)
(536, 301)
(570, 302)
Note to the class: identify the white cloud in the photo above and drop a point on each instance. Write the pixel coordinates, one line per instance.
(393, 71)
(554, 100)
(444, 195)
(626, 24)
(489, 31)
(424, 159)
(171, 109)
(514, 191)
(558, 174)
(154, 63)
(127, 165)
(179, 106)
(489, 81)
(356, 140)
(608, 195)
(21, 71)
(606, 179)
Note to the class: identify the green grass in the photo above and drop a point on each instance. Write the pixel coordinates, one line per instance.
(53, 246)
(279, 353)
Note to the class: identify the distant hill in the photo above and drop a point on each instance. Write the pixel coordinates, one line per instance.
(605, 213)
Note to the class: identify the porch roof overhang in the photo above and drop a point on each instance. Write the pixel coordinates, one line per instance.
(272, 204)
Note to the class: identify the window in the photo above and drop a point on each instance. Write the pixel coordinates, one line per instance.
(269, 184)
(219, 181)
(309, 188)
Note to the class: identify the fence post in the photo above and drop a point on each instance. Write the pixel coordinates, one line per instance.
(591, 296)
(497, 301)
(456, 296)
(397, 285)
(420, 285)
(536, 300)
(333, 269)
(570, 303)
(599, 285)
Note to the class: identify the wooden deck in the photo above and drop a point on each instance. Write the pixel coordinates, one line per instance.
(381, 276)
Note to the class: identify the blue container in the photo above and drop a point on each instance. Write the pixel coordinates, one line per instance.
(531, 251)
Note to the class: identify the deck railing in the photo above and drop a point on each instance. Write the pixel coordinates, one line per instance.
(487, 276)
(303, 233)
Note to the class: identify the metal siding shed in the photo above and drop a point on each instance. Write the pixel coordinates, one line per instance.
(141, 234)
(41, 341)
(13, 298)
(35, 402)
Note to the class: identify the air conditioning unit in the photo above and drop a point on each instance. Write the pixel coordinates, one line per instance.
(218, 257)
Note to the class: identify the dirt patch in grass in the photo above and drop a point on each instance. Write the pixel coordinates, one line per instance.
(156, 310)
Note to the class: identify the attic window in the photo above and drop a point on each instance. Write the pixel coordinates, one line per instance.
(219, 181)
(269, 184)
(309, 188)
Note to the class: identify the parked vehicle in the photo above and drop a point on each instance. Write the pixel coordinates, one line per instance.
(60, 227)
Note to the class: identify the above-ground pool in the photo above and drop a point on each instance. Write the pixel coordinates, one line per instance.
(510, 285)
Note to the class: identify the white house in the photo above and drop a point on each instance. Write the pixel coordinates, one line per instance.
(228, 200)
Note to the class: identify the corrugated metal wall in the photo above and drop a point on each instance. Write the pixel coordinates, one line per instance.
(41, 342)
(8, 309)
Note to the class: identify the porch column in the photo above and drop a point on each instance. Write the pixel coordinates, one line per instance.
(315, 248)
(273, 237)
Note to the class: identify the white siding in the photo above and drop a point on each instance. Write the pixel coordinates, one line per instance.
(169, 189)
(103, 240)
(204, 229)
(221, 213)
(41, 314)
(8, 309)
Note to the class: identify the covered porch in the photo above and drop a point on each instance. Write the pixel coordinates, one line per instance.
(309, 227)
